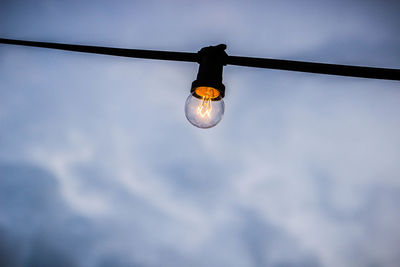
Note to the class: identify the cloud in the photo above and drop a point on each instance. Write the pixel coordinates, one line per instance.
(99, 166)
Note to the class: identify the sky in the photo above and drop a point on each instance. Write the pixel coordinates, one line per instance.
(99, 166)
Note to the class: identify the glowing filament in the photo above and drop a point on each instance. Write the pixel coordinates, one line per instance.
(204, 108)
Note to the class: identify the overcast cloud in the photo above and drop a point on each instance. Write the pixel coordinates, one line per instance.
(99, 167)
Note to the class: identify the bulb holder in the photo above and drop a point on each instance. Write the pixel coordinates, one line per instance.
(212, 60)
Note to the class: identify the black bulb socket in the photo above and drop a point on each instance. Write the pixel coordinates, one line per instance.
(212, 59)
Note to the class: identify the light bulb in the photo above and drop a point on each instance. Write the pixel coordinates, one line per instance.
(204, 107)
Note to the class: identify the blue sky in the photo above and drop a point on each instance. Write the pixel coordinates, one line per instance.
(99, 167)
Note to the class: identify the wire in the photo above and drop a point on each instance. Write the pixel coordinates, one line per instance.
(122, 52)
(321, 68)
(310, 67)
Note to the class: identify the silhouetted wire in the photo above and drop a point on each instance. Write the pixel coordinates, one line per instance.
(301, 66)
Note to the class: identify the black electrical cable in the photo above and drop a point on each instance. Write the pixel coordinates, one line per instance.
(321, 68)
(311, 67)
(122, 52)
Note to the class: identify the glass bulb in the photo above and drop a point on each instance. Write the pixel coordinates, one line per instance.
(204, 107)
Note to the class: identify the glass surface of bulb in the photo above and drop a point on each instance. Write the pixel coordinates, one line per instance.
(204, 107)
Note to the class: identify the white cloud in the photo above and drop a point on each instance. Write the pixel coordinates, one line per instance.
(302, 169)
